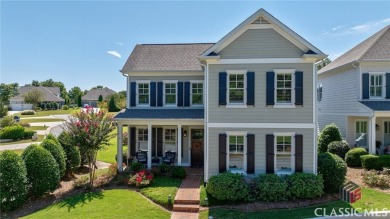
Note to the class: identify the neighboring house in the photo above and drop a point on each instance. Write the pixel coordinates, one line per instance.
(92, 97)
(245, 104)
(50, 95)
(354, 92)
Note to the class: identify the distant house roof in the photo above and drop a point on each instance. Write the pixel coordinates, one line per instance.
(166, 57)
(375, 48)
(377, 105)
(160, 114)
(95, 93)
(50, 94)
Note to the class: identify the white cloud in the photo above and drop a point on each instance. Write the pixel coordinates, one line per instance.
(119, 43)
(114, 53)
(366, 27)
(336, 28)
(387, 20)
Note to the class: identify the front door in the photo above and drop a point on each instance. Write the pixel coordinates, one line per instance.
(197, 147)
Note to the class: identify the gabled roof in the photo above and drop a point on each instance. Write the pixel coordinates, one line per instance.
(95, 93)
(161, 114)
(50, 94)
(280, 27)
(374, 48)
(165, 57)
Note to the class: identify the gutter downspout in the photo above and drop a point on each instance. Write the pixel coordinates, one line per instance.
(206, 134)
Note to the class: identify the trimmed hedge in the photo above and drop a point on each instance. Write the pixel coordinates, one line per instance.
(329, 134)
(28, 112)
(12, 132)
(54, 138)
(6, 121)
(71, 151)
(352, 157)
(333, 170)
(65, 107)
(28, 134)
(27, 150)
(178, 172)
(375, 162)
(269, 187)
(305, 185)
(339, 148)
(58, 153)
(384, 161)
(228, 186)
(13, 181)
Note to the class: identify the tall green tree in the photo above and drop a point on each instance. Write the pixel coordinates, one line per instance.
(35, 83)
(122, 94)
(323, 63)
(100, 98)
(74, 93)
(79, 103)
(7, 91)
(33, 96)
(112, 105)
(97, 87)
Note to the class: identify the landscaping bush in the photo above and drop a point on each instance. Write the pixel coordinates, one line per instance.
(228, 186)
(141, 179)
(37, 109)
(352, 157)
(65, 107)
(155, 171)
(28, 134)
(13, 181)
(7, 121)
(24, 124)
(43, 106)
(339, 148)
(72, 152)
(333, 170)
(178, 172)
(53, 137)
(27, 150)
(28, 112)
(384, 161)
(12, 132)
(376, 179)
(270, 187)
(42, 171)
(136, 167)
(3, 109)
(305, 185)
(164, 168)
(58, 153)
(329, 134)
(48, 106)
(370, 162)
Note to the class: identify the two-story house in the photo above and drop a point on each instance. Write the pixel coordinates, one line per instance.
(353, 93)
(245, 104)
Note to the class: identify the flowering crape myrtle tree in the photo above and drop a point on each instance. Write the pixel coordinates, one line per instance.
(90, 131)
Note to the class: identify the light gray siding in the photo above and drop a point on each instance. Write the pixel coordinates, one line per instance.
(260, 156)
(340, 120)
(260, 43)
(162, 77)
(260, 113)
(375, 67)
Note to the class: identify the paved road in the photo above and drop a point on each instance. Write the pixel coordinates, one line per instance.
(56, 130)
(16, 146)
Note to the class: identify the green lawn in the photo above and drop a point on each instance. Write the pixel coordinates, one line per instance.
(40, 138)
(370, 199)
(107, 204)
(41, 120)
(108, 155)
(19, 152)
(161, 188)
(35, 128)
(49, 113)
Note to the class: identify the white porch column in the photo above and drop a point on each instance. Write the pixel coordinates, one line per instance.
(179, 142)
(128, 141)
(119, 148)
(149, 146)
(372, 144)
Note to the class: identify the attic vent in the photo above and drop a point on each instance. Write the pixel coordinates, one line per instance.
(260, 20)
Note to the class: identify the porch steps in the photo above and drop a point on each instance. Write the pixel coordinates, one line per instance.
(185, 208)
(186, 203)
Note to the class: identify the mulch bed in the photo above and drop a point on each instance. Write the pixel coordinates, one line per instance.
(355, 174)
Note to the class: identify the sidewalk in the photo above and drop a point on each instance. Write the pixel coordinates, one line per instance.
(17, 146)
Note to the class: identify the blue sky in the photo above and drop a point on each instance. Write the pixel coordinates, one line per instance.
(85, 43)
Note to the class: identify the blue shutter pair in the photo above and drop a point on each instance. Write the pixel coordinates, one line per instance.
(153, 100)
(183, 94)
(366, 86)
(270, 90)
(250, 91)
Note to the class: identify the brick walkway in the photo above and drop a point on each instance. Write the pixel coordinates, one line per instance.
(186, 204)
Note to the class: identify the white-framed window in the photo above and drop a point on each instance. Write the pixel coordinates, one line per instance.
(284, 86)
(284, 153)
(361, 134)
(143, 93)
(236, 87)
(142, 134)
(196, 92)
(170, 135)
(319, 92)
(236, 148)
(170, 91)
(377, 84)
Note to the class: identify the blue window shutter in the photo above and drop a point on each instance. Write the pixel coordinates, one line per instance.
(299, 88)
(180, 96)
(387, 85)
(270, 89)
(187, 93)
(133, 94)
(222, 88)
(160, 93)
(366, 85)
(250, 88)
(153, 100)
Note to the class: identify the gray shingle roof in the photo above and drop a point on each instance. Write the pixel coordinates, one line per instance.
(377, 105)
(49, 93)
(166, 57)
(161, 114)
(95, 93)
(376, 47)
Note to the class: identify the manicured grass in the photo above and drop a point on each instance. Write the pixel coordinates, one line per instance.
(372, 199)
(108, 155)
(106, 204)
(19, 152)
(41, 120)
(40, 138)
(35, 128)
(161, 188)
(49, 113)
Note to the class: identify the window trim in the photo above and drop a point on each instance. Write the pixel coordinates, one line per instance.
(284, 105)
(137, 92)
(203, 98)
(319, 92)
(292, 134)
(236, 105)
(170, 142)
(383, 74)
(164, 99)
(138, 134)
(237, 133)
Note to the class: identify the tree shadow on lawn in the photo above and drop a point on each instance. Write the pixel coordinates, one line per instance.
(79, 200)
